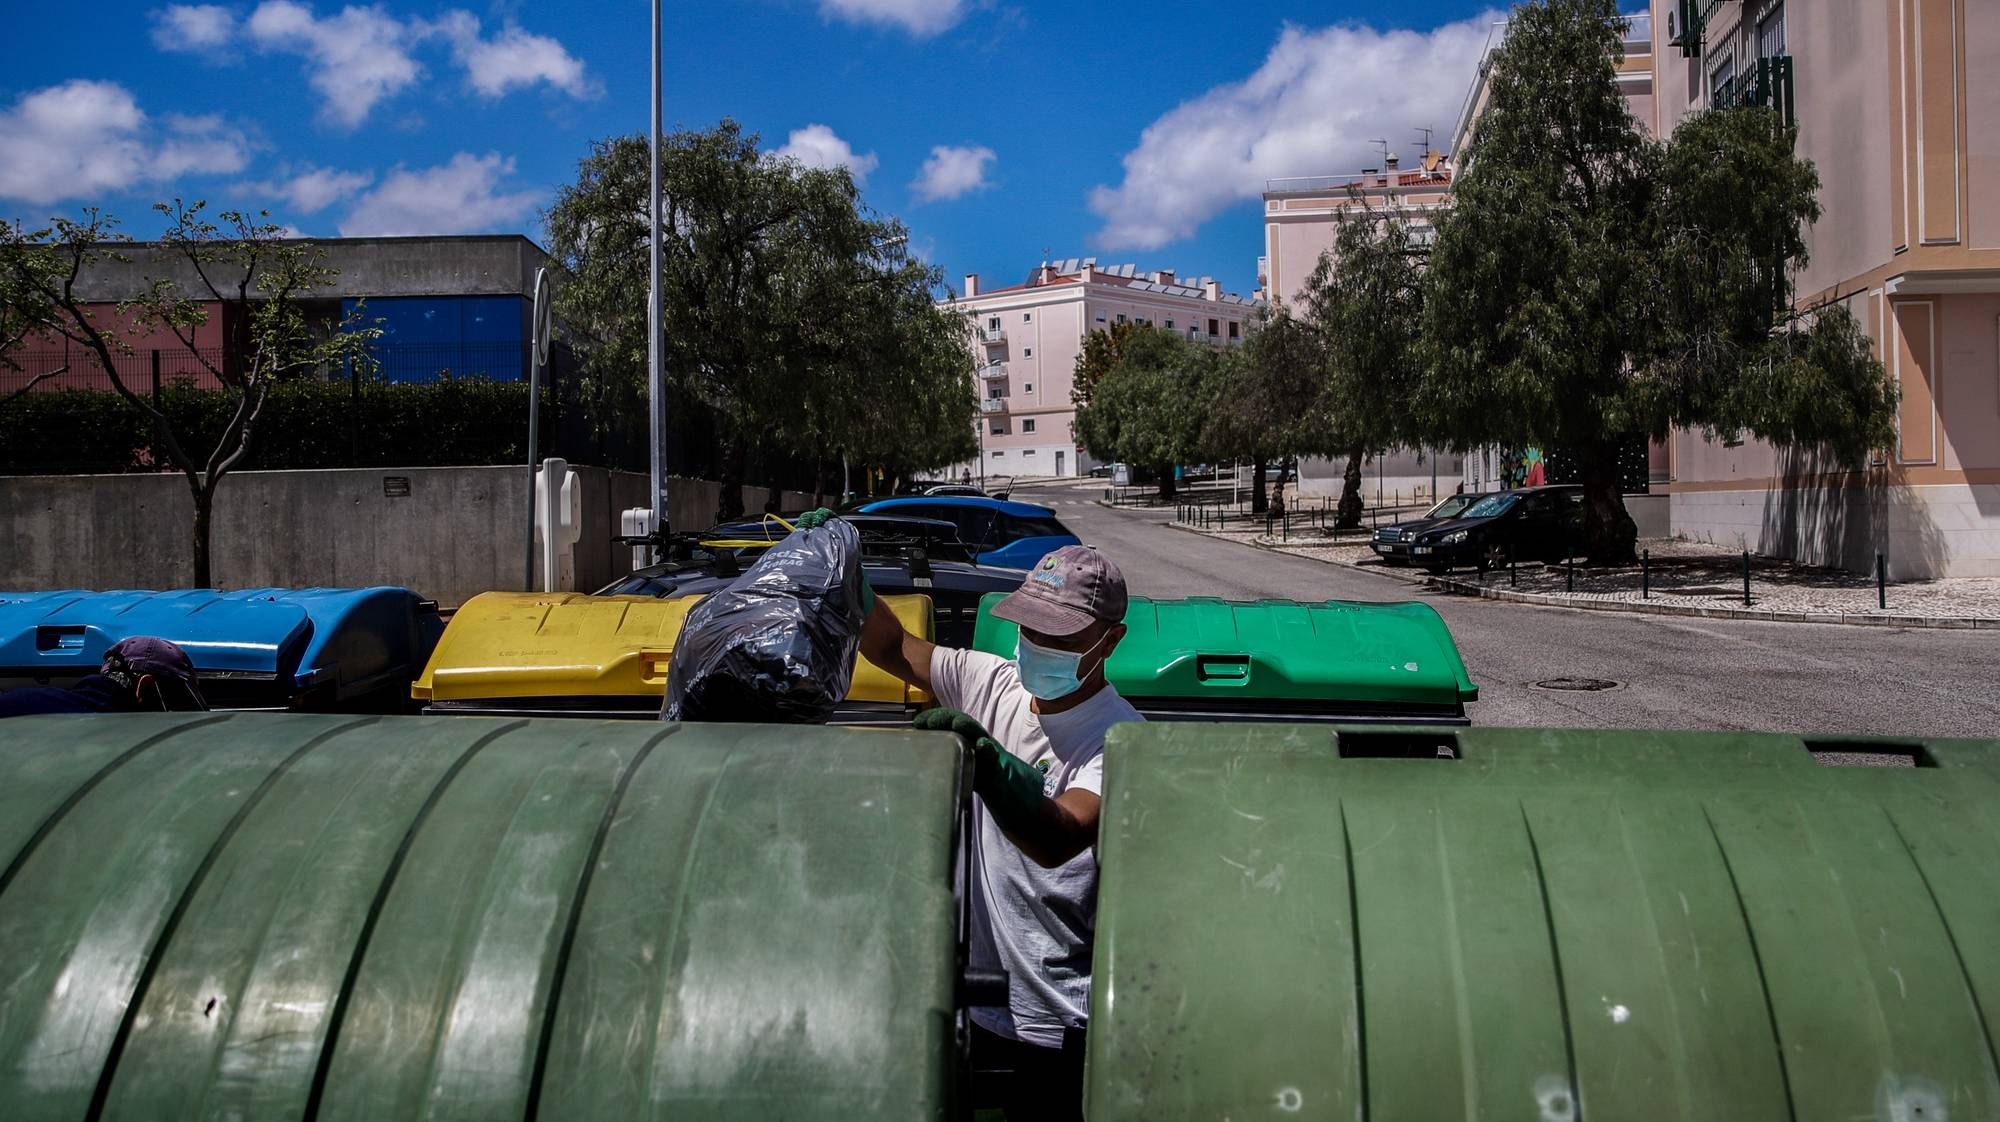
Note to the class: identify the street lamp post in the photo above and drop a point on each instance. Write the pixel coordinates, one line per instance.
(656, 383)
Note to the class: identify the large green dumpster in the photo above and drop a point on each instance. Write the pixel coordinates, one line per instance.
(1277, 660)
(1298, 923)
(282, 916)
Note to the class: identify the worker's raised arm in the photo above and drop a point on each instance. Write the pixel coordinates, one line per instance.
(887, 644)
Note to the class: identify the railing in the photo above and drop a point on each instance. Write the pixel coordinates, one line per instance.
(993, 370)
(1689, 23)
(1768, 83)
(993, 405)
(992, 335)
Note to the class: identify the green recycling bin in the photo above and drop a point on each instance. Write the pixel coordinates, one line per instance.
(285, 916)
(1439, 924)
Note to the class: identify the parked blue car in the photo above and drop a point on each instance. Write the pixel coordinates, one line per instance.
(1005, 534)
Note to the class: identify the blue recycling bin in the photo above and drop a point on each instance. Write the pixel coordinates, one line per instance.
(345, 649)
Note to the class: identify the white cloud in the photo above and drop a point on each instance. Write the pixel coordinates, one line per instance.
(353, 59)
(818, 146)
(85, 138)
(952, 171)
(459, 197)
(918, 17)
(192, 27)
(513, 58)
(311, 190)
(360, 56)
(1312, 108)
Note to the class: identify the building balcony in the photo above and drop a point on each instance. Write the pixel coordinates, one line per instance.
(993, 370)
(992, 335)
(1768, 83)
(993, 405)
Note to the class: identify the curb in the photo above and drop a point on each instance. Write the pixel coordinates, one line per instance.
(1542, 599)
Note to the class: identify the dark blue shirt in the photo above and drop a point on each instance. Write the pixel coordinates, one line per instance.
(95, 693)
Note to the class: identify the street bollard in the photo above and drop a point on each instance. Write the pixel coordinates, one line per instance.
(1646, 574)
(1222, 514)
(1569, 573)
(1881, 582)
(1288, 526)
(1510, 564)
(1746, 578)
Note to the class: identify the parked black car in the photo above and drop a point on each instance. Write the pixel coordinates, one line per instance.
(1392, 543)
(900, 555)
(1535, 523)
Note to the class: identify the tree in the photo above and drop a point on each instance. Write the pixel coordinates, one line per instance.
(791, 314)
(247, 267)
(1591, 285)
(1365, 298)
(1150, 408)
(27, 306)
(1101, 351)
(1270, 403)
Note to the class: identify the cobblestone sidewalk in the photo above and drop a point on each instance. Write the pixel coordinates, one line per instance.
(1690, 575)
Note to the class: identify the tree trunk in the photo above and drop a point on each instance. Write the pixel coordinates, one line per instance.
(1260, 495)
(1167, 488)
(819, 481)
(204, 502)
(1350, 495)
(1610, 535)
(729, 503)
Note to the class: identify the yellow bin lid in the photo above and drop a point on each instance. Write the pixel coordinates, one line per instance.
(570, 645)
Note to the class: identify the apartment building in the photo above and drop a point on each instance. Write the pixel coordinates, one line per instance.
(1302, 215)
(1027, 338)
(1897, 103)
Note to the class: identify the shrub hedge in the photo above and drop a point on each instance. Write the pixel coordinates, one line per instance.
(304, 425)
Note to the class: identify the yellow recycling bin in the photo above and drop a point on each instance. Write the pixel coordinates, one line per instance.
(551, 653)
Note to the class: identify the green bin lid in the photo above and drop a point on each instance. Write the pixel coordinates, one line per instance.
(1294, 923)
(1276, 656)
(282, 916)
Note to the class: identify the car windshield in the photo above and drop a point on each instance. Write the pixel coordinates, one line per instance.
(1452, 507)
(1492, 505)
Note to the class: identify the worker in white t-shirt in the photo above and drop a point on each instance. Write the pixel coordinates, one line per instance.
(1037, 724)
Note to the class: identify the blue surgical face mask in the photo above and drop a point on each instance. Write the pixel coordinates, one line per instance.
(1047, 674)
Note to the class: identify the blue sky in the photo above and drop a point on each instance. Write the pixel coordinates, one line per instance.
(1131, 131)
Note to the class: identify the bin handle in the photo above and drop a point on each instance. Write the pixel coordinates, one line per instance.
(1222, 669)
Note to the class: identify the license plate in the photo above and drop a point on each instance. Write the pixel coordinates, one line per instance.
(1423, 549)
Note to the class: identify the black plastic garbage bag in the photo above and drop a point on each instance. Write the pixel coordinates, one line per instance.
(778, 643)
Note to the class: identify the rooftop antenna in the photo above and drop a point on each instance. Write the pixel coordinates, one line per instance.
(1427, 132)
(1384, 146)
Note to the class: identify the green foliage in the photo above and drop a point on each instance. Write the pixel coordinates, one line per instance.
(1270, 399)
(1101, 351)
(1590, 284)
(790, 312)
(307, 424)
(1152, 407)
(1366, 301)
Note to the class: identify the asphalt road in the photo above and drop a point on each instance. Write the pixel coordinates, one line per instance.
(1672, 672)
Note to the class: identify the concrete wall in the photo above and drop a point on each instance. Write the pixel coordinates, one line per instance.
(1929, 532)
(483, 264)
(459, 531)
(1401, 477)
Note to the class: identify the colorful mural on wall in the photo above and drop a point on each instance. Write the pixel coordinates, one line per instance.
(1522, 467)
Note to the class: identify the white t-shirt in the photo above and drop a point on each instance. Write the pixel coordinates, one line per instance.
(1036, 924)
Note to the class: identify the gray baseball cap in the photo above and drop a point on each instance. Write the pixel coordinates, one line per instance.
(166, 662)
(1067, 591)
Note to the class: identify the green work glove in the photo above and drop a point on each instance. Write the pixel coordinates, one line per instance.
(813, 519)
(1010, 786)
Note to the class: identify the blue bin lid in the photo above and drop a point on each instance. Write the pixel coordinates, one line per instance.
(355, 638)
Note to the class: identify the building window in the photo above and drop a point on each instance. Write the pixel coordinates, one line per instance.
(1771, 31)
(1027, 352)
(1029, 452)
(1170, 323)
(995, 393)
(1028, 425)
(1720, 75)
(1144, 322)
(997, 455)
(1100, 319)
(1027, 387)
(1213, 329)
(1121, 317)
(993, 322)
(999, 428)
(1234, 330)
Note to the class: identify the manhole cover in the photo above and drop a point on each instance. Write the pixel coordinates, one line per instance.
(1576, 685)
